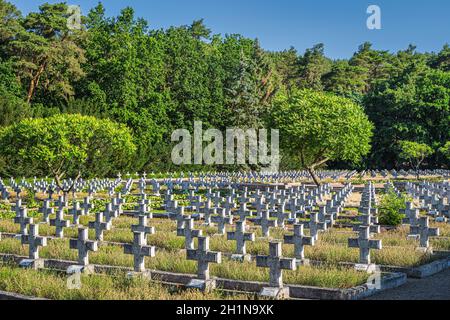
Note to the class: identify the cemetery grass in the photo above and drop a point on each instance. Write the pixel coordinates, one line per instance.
(326, 276)
(331, 248)
(53, 285)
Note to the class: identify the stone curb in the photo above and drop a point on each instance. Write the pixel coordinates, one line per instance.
(388, 281)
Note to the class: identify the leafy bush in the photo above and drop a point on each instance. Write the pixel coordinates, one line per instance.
(389, 209)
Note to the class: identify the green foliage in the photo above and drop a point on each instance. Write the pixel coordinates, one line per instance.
(66, 146)
(389, 209)
(413, 151)
(445, 150)
(320, 127)
(155, 81)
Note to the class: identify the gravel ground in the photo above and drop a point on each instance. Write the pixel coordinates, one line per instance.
(436, 287)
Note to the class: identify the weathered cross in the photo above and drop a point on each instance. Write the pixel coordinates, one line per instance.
(46, 210)
(265, 222)
(222, 220)
(204, 257)
(240, 236)
(282, 215)
(367, 220)
(299, 240)
(76, 212)
(60, 223)
(142, 226)
(315, 226)
(276, 264)
(424, 231)
(139, 249)
(99, 226)
(87, 205)
(83, 245)
(23, 220)
(34, 241)
(189, 233)
(364, 243)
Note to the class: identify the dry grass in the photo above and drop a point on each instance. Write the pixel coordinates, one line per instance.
(51, 285)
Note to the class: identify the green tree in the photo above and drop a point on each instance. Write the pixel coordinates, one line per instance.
(312, 67)
(320, 127)
(445, 150)
(389, 209)
(66, 146)
(46, 54)
(415, 153)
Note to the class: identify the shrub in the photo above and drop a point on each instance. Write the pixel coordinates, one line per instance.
(389, 209)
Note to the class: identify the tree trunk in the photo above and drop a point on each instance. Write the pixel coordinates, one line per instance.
(314, 176)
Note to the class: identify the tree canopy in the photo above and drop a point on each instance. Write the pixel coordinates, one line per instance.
(65, 146)
(320, 127)
(157, 80)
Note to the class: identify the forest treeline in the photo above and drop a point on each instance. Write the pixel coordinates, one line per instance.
(155, 81)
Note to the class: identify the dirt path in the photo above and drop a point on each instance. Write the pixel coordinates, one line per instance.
(436, 287)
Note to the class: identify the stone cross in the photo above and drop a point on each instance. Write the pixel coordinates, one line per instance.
(87, 205)
(299, 240)
(240, 236)
(59, 223)
(99, 226)
(265, 222)
(222, 220)
(23, 220)
(364, 243)
(282, 215)
(142, 226)
(424, 231)
(367, 220)
(83, 245)
(110, 213)
(189, 233)
(276, 264)
(204, 257)
(46, 210)
(34, 241)
(17, 206)
(76, 212)
(315, 226)
(139, 249)
(243, 212)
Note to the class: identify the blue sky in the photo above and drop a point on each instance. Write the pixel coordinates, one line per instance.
(279, 24)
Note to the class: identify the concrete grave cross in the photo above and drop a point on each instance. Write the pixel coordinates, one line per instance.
(142, 226)
(204, 257)
(46, 211)
(282, 215)
(87, 205)
(60, 223)
(23, 220)
(99, 225)
(364, 243)
(222, 220)
(367, 220)
(244, 212)
(189, 233)
(34, 241)
(424, 231)
(276, 264)
(76, 212)
(83, 245)
(240, 236)
(139, 249)
(17, 206)
(110, 213)
(299, 240)
(315, 226)
(265, 222)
